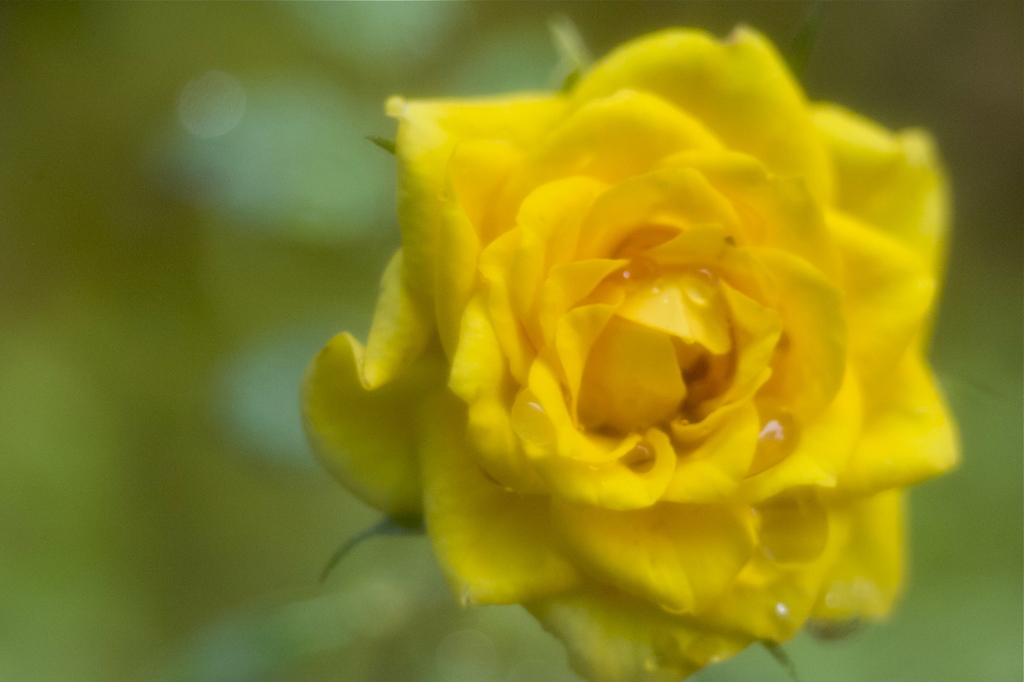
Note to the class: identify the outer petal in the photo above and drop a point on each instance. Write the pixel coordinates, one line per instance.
(428, 131)
(891, 180)
(495, 547)
(679, 556)
(889, 291)
(866, 577)
(365, 437)
(907, 439)
(400, 331)
(480, 172)
(619, 136)
(771, 600)
(740, 88)
(615, 638)
(459, 253)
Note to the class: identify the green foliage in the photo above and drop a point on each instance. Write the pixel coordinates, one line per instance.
(386, 526)
(383, 142)
(803, 42)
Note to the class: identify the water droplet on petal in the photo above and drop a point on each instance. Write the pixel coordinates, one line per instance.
(640, 459)
(639, 270)
(530, 421)
(778, 438)
(696, 294)
(853, 596)
(831, 630)
(794, 526)
(782, 611)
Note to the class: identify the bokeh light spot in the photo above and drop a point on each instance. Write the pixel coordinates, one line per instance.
(211, 105)
(466, 656)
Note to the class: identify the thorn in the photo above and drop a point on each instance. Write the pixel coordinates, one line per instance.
(383, 142)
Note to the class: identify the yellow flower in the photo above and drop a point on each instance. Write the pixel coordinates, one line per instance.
(651, 360)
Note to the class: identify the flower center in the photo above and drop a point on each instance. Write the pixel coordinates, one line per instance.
(667, 349)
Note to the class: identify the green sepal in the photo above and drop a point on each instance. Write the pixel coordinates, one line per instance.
(783, 659)
(410, 525)
(383, 142)
(803, 41)
(573, 56)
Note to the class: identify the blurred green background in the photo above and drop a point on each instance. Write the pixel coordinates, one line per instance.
(188, 210)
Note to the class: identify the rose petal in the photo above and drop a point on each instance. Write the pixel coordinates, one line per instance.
(821, 448)
(495, 269)
(428, 132)
(569, 441)
(612, 637)
(400, 330)
(634, 475)
(631, 379)
(711, 470)
(479, 376)
(459, 243)
(566, 286)
(679, 556)
(776, 211)
(479, 174)
(811, 359)
(549, 223)
(619, 136)
(889, 292)
(672, 197)
(576, 333)
(908, 438)
(757, 331)
(365, 437)
(739, 88)
(772, 600)
(893, 181)
(686, 306)
(865, 579)
(494, 546)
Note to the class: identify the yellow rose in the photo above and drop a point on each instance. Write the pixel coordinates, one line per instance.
(651, 360)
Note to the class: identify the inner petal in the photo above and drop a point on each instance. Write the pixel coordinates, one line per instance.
(686, 305)
(632, 379)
